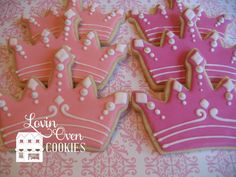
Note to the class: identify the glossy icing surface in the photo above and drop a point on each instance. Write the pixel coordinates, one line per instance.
(200, 116)
(98, 63)
(167, 61)
(65, 105)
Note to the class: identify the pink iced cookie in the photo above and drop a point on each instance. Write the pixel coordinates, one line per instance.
(90, 58)
(166, 61)
(206, 25)
(90, 19)
(69, 107)
(151, 26)
(195, 117)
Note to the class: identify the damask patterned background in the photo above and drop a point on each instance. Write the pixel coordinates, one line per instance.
(130, 152)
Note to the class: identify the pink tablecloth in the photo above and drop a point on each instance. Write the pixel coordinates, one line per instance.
(130, 152)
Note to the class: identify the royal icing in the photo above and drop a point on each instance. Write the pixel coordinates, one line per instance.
(152, 25)
(169, 58)
(90, 19)
(63, 102)
(34, 60)
(206, 120)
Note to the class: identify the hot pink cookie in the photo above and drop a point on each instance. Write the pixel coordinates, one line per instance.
(166, 61)
(90, 58)
(195, 117)
(151, 26)
(90, 19)
(67, 106)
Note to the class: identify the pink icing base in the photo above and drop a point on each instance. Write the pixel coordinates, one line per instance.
(98, 63)
(91, 19)
(168, 62)
(169, 19)
(198, 106)
(65, 103)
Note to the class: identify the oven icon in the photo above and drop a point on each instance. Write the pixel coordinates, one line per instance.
(29, 147)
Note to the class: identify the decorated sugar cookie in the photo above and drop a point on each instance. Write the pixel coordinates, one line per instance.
(89, 19)
(167, 61)
(90, 58)
(67, 106)
(201, 116)
(151, 26)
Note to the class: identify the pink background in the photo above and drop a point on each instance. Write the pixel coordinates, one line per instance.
(130, 153)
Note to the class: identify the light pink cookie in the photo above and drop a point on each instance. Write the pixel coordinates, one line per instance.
(167, 61)
(69, 107)
(195, 117)
(90, 19)
(151, 26)
(90, 58)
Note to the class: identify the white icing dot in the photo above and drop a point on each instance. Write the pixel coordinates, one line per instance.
(201, 90)
(22, 53)
(113, 14)
(150, 105)
(174, 47)
(163, 117)
(84, 92)
(81, 98)
(35, 95)
(182, 96)
(59, 75)
(214, 44)
(109, 17)
(200, 83)
(190, 24)
(192, 30)
(18, 48)
(45, 40)
(5, 108)
(67, 28)
(85, 48)
(222, 20)
(9, 114)
(68, 22)
(147, 50)
(105, 112)
(87, 42)
(36, 101)
(145, 20)
(102, 59)
(152, 55)
(156, 59)
(184, 102)
(171, 41)
(193, 35)
(101, 117)
(199, 69)
(2, 103)
(47, 45)
(111, 52)
(200, 76)
(110, 106)
(141, 16)
(229, 103)
(105, 56)
(66, 34)
(59, 89)
(60, 67)
(59, 83)
(229, 96)
(157, 112)
(212, 50)
(194, 40)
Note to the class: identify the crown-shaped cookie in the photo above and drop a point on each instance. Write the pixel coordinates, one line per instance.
(195, 117)
(89, 57)
(166, 61)
(206, 25)
(151, 26)
(90, 19)
(67, 106)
